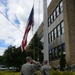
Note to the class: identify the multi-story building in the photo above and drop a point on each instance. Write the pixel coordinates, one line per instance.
(61, 31)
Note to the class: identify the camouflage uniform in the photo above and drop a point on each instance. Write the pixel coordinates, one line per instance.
(45, 70)
(29, 69)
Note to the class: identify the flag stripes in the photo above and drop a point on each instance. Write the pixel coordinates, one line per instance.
(30, 24)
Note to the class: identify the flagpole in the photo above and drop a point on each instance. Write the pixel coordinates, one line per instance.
(45, 29)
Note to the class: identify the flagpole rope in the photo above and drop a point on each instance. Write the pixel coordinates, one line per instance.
(33, 2)
(32, 31)
(33, 46)
(12, 23)
(38, 26)
(33, 36)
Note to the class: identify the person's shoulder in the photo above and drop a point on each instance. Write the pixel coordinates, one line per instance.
(23, 65)
(26, 64)
(46, 66)
(42, 67)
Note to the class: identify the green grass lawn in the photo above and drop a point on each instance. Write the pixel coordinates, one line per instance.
(9, 73)
(52, 72)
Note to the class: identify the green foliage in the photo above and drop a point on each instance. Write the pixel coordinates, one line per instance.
(8, 54)
(1, 60)
(53, 72)
(14, 57)
(62, 62)
(35, 48)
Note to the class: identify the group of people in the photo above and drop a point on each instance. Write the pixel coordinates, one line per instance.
(31, 67)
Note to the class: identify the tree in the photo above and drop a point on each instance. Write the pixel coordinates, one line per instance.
(8, 56)
(35, 47)
(62, 62)
(1, 60)
(13, 57)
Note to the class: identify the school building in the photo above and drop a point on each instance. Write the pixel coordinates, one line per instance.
(61, 31)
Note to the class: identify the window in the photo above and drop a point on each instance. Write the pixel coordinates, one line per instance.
(61, 6)
(59, 50)
(62, 27)
(49, 21)
(63, 48)
(51, 18)
(57, 11)
(55, 33)
(50, 55)
(49, 38)
(54, 15)
(56, 52)
(58, 30)
(52, 36)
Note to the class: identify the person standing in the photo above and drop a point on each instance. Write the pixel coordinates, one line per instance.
(30, 67)
(45, 69)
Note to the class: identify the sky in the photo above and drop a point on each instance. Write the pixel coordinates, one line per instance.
(13, 18)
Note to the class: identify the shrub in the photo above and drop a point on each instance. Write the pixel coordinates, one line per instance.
(62, 62)
(53, 72)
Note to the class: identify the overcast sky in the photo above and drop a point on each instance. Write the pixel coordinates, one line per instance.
(17, 11)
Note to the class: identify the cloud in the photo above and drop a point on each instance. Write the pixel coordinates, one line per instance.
(17, 11)
(2, 50)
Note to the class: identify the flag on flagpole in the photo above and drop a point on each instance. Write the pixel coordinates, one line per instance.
(30, 23)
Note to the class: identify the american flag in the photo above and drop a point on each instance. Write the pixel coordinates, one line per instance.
(30, 23)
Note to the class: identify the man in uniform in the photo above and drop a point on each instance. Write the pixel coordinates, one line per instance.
(45, 69)
(30, 66)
